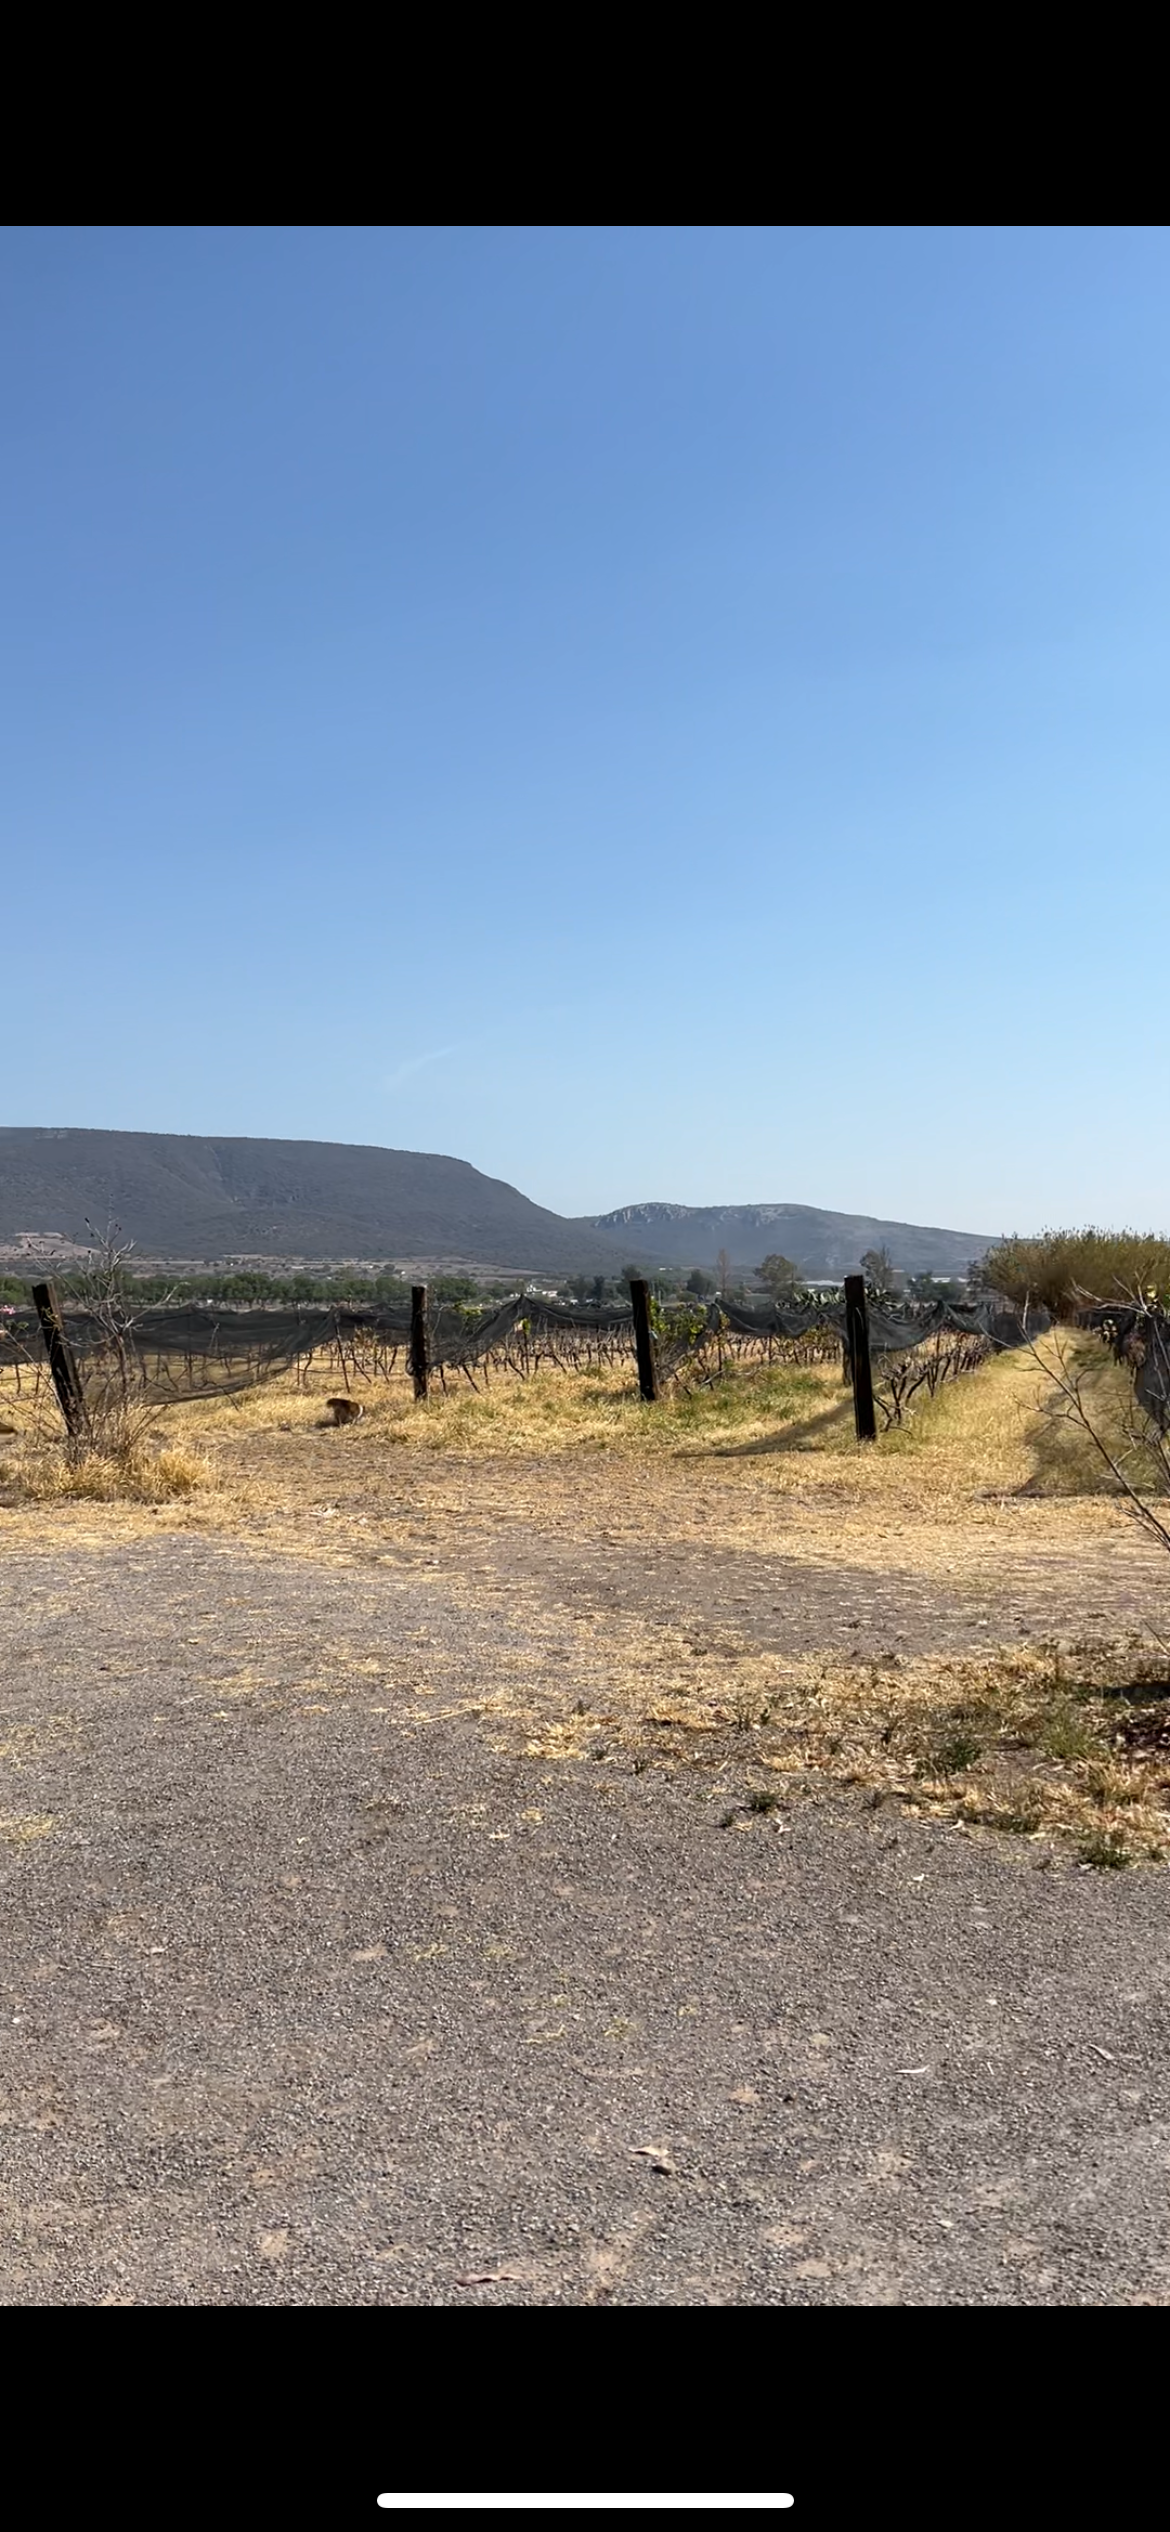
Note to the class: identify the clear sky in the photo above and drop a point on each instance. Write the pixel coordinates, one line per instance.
(670, 713)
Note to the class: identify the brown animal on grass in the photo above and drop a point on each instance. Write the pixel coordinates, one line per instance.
(344, 1410)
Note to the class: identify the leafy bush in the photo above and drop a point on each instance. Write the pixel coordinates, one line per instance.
(1065, 1269)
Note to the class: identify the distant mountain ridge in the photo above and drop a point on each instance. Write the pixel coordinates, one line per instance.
(196, 1196)
(821, 1244)
(209, 1197)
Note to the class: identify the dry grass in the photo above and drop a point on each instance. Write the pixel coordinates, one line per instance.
(1070, 1743)
(764, 1461)
(135, 1475)
(997, 1430)
(1061, 1740)
(143, 1461)
(22, 1827)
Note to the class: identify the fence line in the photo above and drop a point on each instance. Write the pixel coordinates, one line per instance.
(208, 1349)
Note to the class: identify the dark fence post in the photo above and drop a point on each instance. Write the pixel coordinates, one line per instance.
(62, 1364)
(419, 1362)
(643, 1339)
(857, 1340)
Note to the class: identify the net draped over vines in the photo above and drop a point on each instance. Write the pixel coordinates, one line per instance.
(203, 1349)
(1139, 1337)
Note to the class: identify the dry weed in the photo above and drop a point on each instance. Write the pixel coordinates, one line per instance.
(135, 1475)
(1058, 1742)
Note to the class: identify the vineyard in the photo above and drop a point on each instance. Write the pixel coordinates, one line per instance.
(98, 1355)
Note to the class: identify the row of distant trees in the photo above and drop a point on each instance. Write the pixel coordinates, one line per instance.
(253, 1285)
(1060, 1270)
(884, 1280)
(779, 1276)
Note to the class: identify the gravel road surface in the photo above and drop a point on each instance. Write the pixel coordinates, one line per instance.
(318, 1991)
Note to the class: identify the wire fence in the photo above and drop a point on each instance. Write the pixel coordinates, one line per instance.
(206, 1350)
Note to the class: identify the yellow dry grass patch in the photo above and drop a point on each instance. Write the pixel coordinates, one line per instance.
(764, 1464)
(997, 1429)
(766, 1459)
(22, 1828)
(1065, 1742)
(50, 1474)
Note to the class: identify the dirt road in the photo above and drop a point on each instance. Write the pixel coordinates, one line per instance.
(319, 1991)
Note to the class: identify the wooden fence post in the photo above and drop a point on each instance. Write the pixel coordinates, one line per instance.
(419, 1363)
(62, 1362)
(643, 1339)
(857, 1340)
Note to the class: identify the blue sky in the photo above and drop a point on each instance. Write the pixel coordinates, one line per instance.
(655, 712)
